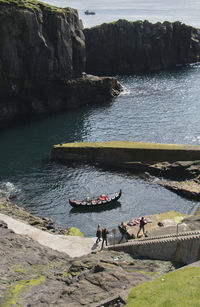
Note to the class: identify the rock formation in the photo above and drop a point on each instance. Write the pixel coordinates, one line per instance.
(42, 48)
(129, 47)
(34, 275)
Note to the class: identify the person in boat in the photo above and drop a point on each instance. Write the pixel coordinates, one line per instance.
(103, 197)
(98, 234)
(105, 232)
(122, 230)
(141, 226)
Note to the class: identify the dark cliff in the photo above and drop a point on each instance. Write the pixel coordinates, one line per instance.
(129, 47)
(42, 48)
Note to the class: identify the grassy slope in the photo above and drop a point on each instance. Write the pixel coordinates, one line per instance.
(175, 289)
(31, 4)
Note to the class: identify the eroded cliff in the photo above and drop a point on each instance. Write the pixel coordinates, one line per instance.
(129, 47)
(41, 49)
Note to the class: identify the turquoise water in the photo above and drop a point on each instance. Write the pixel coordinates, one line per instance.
(160, 107)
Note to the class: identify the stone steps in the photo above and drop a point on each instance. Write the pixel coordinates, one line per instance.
(161, 239)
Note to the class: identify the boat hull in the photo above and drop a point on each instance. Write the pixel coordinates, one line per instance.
(96, 202)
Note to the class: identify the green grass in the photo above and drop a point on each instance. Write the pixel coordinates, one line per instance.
(179, 288)
(31, 4)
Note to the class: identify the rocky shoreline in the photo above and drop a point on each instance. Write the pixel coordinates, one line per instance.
(34, 275)
(9, 208)
(180, 177)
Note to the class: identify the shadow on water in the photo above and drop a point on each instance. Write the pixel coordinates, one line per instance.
(105, 207)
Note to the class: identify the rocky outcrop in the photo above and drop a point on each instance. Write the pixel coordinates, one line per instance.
(34, 275)
(128, 47)
(42, 48)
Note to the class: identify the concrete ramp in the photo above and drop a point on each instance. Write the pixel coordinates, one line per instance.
(73, 246)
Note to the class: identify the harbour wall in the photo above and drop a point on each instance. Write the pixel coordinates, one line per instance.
(184, 248)
(119, 152)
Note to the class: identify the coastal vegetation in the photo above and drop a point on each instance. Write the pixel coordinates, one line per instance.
(32, 5)
(177, 288)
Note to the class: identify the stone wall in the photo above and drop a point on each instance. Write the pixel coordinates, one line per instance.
(184, 248)
(116, 152)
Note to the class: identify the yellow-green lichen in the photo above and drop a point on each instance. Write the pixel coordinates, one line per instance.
(75, 232)
(18, 269)
(170, 215)
(198, 211)
(22, 285)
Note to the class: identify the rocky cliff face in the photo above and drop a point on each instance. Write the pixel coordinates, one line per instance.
(128, 47)
(41, 49)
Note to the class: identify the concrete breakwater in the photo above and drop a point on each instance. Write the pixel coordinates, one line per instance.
(123, 152)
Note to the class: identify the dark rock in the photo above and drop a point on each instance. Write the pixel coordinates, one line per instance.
(128, 47)
(41, 274)
(42, 48)
(3, 224)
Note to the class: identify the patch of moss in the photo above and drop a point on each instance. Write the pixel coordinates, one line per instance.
(75, 232)
(18, 269)
(170, 215)
(32, 5)
(23, 285)
(177, 288)
(198, 211)
(65, 273)
(152, 274)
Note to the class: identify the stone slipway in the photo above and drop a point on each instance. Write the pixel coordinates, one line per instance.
(123, 152)
(73, 246)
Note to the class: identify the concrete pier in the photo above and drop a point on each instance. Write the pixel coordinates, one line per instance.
(120, 152)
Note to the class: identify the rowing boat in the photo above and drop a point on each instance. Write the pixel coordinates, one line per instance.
(98, 201)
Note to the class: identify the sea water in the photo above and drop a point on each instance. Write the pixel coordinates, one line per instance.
(157, 107)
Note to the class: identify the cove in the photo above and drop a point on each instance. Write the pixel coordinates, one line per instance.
(161, 107)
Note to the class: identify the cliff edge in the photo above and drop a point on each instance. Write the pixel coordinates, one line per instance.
(42, 48)
(124, 47)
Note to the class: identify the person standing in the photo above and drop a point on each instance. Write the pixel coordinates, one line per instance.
(104, 237)
(122, 230)
(98, 234)
(141, 227)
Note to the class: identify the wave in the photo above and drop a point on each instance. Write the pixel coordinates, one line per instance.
(9, 190)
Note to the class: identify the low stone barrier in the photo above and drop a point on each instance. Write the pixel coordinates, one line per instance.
(117, 152)
(183, 248)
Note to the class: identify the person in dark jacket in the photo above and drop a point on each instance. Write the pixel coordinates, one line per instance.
(104, 237)
(122, 230)
(98, 234)
(141, 227)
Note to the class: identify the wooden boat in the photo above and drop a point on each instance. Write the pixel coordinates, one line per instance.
(98, 201)
(88, 12)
